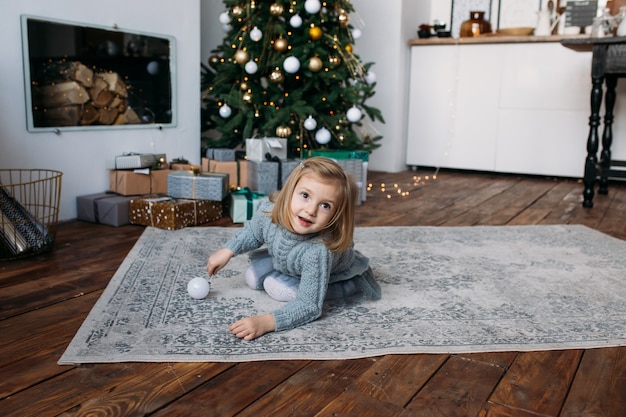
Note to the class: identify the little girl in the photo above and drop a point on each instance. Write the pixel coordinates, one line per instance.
(308, 255)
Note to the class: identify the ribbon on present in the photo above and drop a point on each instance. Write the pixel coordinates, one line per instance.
(273, 158)
(250, 197)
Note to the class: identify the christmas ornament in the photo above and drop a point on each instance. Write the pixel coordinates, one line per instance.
(315, 33)
(241, 56)
(280, 45)
(310, 123)
(295, 21)
(225, 111)
(370, 77)
(356, 33)
(322, 136)
(334, 60)
(291, 64)
(237, 11)
(247, 97)
(251, 67)
(214, 60)
(343, 18)
(315, 64)
(312, 6)
(283, 131)
(198, 288)
(277, 76)
(276, 9)
(224, 18)
(256, 34)
(243, 86)
(353, 114)
(348, 48)
(226, 28)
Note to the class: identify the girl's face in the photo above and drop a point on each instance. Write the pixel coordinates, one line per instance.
(313, 204)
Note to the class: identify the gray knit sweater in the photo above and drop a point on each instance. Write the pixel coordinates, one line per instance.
(301, 256)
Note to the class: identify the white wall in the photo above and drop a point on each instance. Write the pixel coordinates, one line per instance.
(83, 156)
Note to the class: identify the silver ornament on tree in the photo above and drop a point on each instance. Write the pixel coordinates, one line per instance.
(225, 111)
(353, 114)
(251, 67)
(295, 21)
(256, 34)
(322, 136)
(310, 123)
(291, 64)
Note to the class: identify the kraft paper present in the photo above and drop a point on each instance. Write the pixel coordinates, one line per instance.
(237, 170)
(139, 181)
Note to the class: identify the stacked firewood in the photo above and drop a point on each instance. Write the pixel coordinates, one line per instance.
(71, 94)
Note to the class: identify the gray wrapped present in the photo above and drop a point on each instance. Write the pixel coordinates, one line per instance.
(205, 186)
(257, 149)
(221, 154)
(104, 208)
(263, 176)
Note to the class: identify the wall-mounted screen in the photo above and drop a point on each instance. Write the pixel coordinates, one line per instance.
(80, 76)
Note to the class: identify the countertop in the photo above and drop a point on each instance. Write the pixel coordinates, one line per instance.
(491, 38)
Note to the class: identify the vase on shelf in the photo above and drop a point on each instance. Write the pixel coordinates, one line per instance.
(476, 25)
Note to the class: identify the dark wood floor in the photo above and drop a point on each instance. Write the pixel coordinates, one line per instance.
(44, 299)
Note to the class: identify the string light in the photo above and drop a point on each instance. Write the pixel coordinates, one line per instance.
(396, 190)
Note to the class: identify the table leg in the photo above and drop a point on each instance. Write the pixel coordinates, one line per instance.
(591, 161)
(607, 134)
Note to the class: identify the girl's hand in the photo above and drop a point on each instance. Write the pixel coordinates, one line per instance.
(218, 260)
(252, 327)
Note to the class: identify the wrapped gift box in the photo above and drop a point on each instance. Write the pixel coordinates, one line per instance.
(237, 170)
(339, 154)
(138, 160)
(257, 149)
(204, 186)
(184, 167)
(104, 208)
(286, 167)
(263, 176)
(138, 182)
(171, 214)
(243, 204)
(221, 154)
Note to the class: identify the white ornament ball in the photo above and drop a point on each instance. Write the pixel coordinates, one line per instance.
(312, 6)
(251, 67)
(295, 21)
(356, 33)
(370, 77)
(225, 111)
(322, 136)
(198, 288)
(291, 64)
(226, 28)
(353, 114)
(224, 18)
(153, 67)
(310, 123)
(256, 34)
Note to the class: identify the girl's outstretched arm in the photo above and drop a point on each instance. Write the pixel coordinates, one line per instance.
(252, 327)
(218, 260)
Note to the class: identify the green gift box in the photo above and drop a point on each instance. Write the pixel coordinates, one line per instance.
(243, 204)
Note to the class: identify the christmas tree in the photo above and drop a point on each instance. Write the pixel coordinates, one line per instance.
(287, 69)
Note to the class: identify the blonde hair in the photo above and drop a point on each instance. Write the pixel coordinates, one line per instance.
(339, 233)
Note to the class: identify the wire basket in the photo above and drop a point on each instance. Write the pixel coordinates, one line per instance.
(29, 211)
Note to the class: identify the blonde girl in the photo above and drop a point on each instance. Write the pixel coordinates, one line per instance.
(301, 249)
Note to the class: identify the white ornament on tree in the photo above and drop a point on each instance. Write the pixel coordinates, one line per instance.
(295, 21)
(356, 33)
(224, 18)
(322, 136)
(353, 114)
(251, 67)
(370, 77)
(225, 111)
(312, 6)
(256, 34)
(310, 123)
(291, 64)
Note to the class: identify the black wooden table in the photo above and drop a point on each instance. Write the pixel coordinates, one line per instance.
(607, 65)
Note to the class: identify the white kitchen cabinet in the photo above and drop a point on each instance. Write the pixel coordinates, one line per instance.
(503, 107)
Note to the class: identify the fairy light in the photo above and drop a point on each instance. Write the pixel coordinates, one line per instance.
(397, 190)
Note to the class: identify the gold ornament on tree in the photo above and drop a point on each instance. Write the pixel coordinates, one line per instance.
(334, 60)
(214, 60)
(237, 11)
(283, 131)
(276, 9)
(241, 56)
(280, 45)
(277, 76)
(243, 86)
(315, 33)
(247, 97)
(343, 18)
(315, 64)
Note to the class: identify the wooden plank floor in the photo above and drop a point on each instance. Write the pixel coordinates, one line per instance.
(44, 299)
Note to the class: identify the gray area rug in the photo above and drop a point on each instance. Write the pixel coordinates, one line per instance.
(445, 290)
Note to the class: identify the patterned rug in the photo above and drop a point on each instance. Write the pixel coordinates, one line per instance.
(445, 290)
